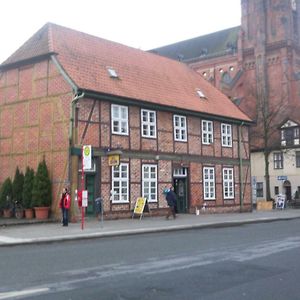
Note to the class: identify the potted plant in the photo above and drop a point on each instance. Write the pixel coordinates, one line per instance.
(27, 193)
(41, 191)
(17, 189)
(6, 198)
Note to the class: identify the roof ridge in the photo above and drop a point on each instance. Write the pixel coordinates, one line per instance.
(50, 37)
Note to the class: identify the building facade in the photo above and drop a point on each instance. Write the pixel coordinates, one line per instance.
(284, 166)
(151, 122)
(257, 66)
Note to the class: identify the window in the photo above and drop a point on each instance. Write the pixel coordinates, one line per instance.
(228, 184)
(209, 183)
(120, 183)
(112, 72)
(180, 131)
(150, 182)
(297, 159)
(226, 135)
(148, 118)
(259, 189)
(276, 190)
(289, 136)
(119, 119)
(296, 133)
(207, 132)
(201, 94)
(278, 160)
(181, 172)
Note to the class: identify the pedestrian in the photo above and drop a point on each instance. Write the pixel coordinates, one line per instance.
(172, 202)
(65, 204)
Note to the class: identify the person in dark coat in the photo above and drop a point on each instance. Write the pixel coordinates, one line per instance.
(172, 202)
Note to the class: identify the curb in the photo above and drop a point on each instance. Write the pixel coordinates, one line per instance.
(128, 232)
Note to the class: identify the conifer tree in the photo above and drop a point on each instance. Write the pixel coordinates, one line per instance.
(17, 186)
(27, 188)
(6, 194)
(41, 192)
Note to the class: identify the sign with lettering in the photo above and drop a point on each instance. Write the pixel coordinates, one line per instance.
(84, 198)
(114, 160)
(141, 205)
(87, 157)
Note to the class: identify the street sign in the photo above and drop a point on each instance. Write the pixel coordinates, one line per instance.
(282, 178)
(84, 198)
(87, 157)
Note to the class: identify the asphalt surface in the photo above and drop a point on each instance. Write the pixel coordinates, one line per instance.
(18, 232)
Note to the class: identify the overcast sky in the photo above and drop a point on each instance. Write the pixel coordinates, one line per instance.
(143, 24)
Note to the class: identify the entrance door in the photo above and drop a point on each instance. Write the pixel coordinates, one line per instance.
(90, 186)
(288, 193)
(180, 188)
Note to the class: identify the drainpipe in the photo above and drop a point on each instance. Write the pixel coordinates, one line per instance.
(241, 167)
(72, 119)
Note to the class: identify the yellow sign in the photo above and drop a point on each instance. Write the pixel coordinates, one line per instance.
(114, 160)
(139, 205)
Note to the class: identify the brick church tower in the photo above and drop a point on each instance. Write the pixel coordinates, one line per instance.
(256, 64)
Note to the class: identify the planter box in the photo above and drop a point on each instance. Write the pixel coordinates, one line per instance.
(41, 213)
(7, 213)
(264, 205)
(29, 213)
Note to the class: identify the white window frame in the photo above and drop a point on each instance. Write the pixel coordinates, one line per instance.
(226, 135)
(228, 183)
(209, 188)
(149, 182)
(180, 128)
(207, 132)
(181, 172)
(120, 182)
(278, 160)
(148, 125)
(119, 115)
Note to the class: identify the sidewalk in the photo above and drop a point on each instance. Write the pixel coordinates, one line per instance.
(15, 232)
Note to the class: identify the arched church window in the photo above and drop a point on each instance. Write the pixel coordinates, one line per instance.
(226, 78)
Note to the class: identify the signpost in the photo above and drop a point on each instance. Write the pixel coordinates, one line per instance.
(86, 165)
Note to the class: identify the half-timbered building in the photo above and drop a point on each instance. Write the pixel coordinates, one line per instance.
(152, 122)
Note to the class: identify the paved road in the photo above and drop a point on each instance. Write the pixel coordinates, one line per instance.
(14, 232)
(255, 261)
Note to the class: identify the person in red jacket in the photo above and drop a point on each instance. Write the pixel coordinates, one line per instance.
(65, 204)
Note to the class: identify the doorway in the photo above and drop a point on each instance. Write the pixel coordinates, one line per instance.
(288, 190)
(90, 186)
(180, 188)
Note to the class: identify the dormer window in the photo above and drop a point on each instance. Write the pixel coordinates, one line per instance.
(201, 94)
(290, 133)
(112, 72)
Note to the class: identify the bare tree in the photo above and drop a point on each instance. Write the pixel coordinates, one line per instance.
(265, 135)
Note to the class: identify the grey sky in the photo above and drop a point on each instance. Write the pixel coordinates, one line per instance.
(143, 24)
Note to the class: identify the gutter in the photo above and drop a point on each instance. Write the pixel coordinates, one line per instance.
(240, 166)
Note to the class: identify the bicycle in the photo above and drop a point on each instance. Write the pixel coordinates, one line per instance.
(18, 209)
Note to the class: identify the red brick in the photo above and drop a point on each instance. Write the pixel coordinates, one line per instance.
(12, 77)
(26, 83)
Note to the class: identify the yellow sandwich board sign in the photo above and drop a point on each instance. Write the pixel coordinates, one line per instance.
(140, 205)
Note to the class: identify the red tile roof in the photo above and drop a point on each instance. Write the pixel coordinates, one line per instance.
(142, 75)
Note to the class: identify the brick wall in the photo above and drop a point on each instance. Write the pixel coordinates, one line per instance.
(98, 133)
(34, 122)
